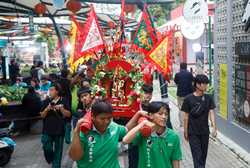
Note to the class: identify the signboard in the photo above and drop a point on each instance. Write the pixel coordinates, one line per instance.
(242, 94)
(196, 11)
(192, 31)
(223, 91)
(242, 49)
(246, 15)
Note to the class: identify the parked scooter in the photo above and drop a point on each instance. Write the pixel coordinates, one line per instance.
(7, 145)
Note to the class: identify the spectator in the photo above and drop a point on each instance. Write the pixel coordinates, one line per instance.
(45, 84)
(35, 84)
(13, 71)
(65, 84)
(198, 108)
(54, 113)
(53, 77)
(34, 71)
(31, 102)
(183, 80)
(44, 87)
(40, 70)
(66, 94)
(19, 83)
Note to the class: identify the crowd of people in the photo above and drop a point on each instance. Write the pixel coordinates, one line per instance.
(63, 100)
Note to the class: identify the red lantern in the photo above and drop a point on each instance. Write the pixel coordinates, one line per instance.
(111, 25)
(40, 8)
(74, 5)
(129, 8)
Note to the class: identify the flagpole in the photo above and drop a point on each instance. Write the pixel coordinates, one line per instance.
(60, 38)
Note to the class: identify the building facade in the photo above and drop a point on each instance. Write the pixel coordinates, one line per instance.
(232, 71)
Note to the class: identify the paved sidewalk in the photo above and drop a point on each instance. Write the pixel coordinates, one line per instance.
(29, 154)
(219, 156)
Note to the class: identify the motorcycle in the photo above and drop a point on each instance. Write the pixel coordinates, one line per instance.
(7, 145)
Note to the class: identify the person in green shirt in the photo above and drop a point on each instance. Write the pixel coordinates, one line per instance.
(162, 148)
(99, 147)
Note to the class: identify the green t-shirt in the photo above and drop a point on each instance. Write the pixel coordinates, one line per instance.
(158, 151)
(101, 150)
(74, 99)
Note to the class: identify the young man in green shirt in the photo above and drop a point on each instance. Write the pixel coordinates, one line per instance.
(99, 147)
(162, 148)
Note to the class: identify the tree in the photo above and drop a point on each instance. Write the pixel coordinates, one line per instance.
(160, 13)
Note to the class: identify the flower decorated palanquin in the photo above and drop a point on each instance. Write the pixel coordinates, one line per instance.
(119, 87)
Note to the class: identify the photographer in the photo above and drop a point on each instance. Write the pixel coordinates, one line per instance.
(55, 112)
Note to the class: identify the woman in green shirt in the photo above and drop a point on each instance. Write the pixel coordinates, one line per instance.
(162, 148)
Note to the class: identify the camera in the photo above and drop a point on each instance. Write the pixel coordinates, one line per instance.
(52, 104)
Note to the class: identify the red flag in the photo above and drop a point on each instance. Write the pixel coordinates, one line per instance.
(160, 55)
(145, 37)
(90, 38)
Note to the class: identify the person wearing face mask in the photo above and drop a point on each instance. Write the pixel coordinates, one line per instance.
(198, 108)
(162, 148)
(98, 147)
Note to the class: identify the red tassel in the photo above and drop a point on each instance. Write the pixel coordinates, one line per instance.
(88, 124)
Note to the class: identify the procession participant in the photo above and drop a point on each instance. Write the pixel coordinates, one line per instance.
(145, 98)
(84, 104)
(54, 113)
(99, 147)
(198, 107)
(162, 148)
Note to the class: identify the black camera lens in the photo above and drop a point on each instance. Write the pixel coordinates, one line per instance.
(52, 103)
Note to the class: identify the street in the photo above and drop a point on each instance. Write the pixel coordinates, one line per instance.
(28, 153)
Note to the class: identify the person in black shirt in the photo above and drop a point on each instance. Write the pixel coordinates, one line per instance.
(198, 108)
(183, 80)
(31, 102)
(55, 112)
(14, 71)
(66, 85)
(84, 104)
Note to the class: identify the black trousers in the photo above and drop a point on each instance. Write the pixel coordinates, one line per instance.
(133, 156)
(199, 147)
